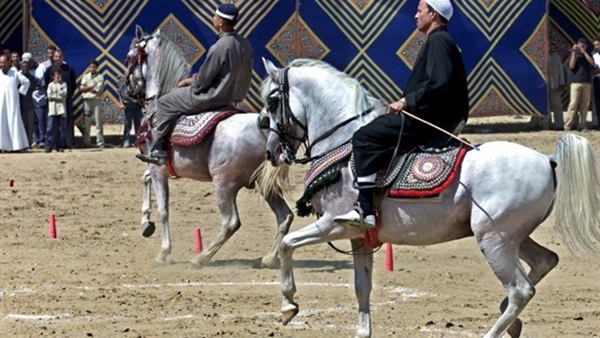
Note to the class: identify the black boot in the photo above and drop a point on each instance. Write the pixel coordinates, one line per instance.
(365, 200)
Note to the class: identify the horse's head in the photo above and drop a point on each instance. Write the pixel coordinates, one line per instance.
(287, 119)
(142, 56)
(155, 65)
(312, 103)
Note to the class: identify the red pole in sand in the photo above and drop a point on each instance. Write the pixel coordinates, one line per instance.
(198, 238)
(52, 226)
(389, 257)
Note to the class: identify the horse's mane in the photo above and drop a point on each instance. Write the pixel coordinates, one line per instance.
(362, 99)
(172, 66)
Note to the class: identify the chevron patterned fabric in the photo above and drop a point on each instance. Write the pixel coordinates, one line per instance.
(504, 43)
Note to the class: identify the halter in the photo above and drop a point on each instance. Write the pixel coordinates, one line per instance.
(137, 89)
(278, 102)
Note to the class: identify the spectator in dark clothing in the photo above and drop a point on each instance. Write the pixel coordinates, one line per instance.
(68, 77)
(27, 112)
(132, 111)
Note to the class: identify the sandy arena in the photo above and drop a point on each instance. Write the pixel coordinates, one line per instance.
(99, 279)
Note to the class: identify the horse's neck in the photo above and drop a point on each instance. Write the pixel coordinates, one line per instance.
(331, 117)
(166, 69)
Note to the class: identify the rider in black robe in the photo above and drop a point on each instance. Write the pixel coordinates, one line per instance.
(436, 92)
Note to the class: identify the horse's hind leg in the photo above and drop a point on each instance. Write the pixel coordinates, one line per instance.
(542, 261)
(230, 223)
(363, 283)
(284, 217)
(503, 257)
(148, 226)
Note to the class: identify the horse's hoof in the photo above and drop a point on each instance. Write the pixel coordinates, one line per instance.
(148, 229)
(196, 264)
(288, 313)
(269, 263)
(159, 262)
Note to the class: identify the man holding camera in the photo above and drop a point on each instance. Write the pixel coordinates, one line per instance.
(580, 65)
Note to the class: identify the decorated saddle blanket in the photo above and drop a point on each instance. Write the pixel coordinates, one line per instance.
(190, 129)
(424, 172)
(322, 173)
(421, 172)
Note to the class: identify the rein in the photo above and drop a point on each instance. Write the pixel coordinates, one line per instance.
(353, 252)
(307, 158)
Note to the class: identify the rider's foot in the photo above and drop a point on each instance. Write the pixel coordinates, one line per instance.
(156, 157)
(355, 219)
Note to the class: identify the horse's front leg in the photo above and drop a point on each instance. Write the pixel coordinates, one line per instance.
(363, 284)
(160, 179)
(148, 226)
(284, 218)
(323, 230)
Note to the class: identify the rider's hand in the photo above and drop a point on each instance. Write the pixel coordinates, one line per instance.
(185, 82)
(397, 107)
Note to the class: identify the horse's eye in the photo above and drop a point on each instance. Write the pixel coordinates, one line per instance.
(272, 101)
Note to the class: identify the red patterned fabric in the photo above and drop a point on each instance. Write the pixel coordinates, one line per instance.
(436, 189)
(192, 129)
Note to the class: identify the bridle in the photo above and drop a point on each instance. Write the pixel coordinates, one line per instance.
(278, 103)
(137, 89)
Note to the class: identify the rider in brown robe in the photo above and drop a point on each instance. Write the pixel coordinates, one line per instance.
(222, 81)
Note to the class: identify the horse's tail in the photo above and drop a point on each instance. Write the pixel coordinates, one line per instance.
(577, 199)
(272, 181)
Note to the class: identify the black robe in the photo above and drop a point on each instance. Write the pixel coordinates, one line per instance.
(436, 92)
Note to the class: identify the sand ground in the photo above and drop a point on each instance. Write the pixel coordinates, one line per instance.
(99, 278)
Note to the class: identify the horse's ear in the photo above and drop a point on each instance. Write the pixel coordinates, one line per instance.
(271, 69)
(139, 32)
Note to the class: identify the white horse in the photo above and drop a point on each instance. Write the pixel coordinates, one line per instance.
(503, 192)
(231, 157)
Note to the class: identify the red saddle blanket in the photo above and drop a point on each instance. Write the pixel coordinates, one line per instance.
(192, 129)
(189, 130)
(424, 172)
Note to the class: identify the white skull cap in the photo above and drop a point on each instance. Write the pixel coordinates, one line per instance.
(443, 7)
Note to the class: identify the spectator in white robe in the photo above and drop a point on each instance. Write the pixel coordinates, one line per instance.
(13, 136)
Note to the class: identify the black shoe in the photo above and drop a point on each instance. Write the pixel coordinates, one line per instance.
(156, 157)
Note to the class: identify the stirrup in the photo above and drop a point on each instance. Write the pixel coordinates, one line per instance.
(355, 219)
(152, 159)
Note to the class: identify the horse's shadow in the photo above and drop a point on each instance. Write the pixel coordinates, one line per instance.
(316, 265)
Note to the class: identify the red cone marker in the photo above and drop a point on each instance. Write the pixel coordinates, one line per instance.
(198, 238)
(52, 226)
(389, 257)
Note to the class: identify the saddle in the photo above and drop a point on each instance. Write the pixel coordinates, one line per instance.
(190, 130)
(425, 171)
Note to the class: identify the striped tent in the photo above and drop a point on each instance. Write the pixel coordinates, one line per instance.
(504, 43)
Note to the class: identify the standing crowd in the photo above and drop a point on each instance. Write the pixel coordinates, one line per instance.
(581, 77)
(36, 103)
(36, 98)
